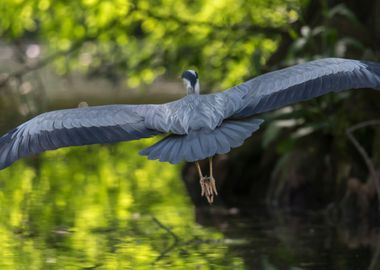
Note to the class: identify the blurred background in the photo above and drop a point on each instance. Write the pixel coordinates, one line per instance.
(297, 195)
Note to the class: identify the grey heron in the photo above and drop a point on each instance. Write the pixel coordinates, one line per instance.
(197, 126)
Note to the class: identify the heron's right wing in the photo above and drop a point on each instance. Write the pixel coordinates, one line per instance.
(74, 127)
(302, 82)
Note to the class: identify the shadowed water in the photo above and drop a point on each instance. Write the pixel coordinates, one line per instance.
(105, 207)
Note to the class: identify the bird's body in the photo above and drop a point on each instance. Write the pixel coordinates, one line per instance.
(198, 126)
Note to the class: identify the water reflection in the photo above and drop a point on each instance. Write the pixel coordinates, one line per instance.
(101, 207)
(280, 240)
(105, 207)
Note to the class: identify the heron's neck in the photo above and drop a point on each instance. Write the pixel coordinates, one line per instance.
(193, 91)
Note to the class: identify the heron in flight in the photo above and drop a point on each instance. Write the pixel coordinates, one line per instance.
(197, 126)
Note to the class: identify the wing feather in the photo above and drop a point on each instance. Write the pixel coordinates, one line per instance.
(73, 127)
(201, 144)
(302, 82)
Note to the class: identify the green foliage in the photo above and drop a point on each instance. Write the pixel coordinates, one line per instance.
(313, 42)
(94, 206)
(325, 39)
(136, 41)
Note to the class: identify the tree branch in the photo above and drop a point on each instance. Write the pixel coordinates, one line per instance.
(364, 154)
(175, 237)
(40, 64)
(172, 246)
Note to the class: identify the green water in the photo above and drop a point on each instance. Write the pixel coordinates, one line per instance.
(106, 207)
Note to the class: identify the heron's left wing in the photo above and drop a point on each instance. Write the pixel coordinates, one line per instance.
(302, 82)
(74, 127)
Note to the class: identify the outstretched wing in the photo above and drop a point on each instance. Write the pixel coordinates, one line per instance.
(72, 127)
(302, 82)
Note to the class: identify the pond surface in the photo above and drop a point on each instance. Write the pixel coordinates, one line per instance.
(105, 207)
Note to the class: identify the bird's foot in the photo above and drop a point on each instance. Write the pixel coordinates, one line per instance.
(208, 188)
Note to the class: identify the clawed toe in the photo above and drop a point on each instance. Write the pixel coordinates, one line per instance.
(213, 185)
(208, 188)
(203, 186)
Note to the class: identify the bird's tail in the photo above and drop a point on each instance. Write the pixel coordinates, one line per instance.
(201, 143)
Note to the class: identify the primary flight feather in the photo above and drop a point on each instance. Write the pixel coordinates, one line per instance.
(198, 126)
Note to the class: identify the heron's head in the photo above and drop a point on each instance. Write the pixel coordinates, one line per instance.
(191, 80)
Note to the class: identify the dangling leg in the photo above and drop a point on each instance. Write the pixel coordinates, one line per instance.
(201, 179)
(212, 179)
